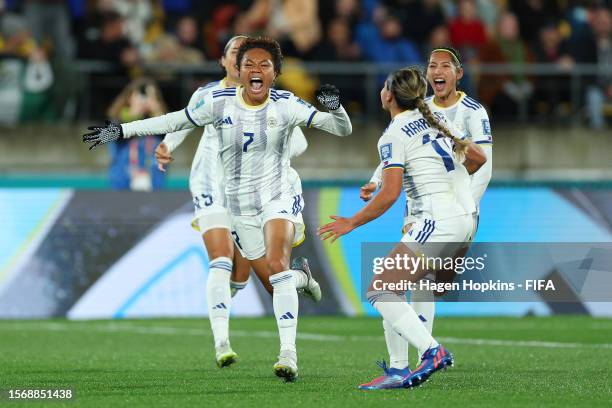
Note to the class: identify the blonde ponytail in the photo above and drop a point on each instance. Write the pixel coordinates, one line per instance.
(460, 144)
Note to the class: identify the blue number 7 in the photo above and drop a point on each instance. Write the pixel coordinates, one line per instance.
(247, 142)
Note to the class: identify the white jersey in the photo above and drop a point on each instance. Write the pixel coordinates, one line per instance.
(470, 120)
(206, 180)
(253, 140)
(434, 181)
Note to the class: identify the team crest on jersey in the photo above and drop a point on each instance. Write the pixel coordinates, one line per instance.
(385, 151)
(486, 127)
(272, 122)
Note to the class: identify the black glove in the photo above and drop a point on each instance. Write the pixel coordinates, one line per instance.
(328, 96)
(103, 134)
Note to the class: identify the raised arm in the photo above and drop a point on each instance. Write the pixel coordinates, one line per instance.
(336, 121)
(199, 112)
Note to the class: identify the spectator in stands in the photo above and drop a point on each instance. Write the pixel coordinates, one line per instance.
(136, 16)
(183, 47)
(506, 93)
(49, 21)
(133, 165)
(552, 93)
(15, 37)
(108, 43)
(599, 51)
(27, 77)
(467, 31)
(417, 17)
(294, 24)
(382, 41)
(338, 44)
(531, 14)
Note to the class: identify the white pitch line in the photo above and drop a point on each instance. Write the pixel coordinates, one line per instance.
(167, 330)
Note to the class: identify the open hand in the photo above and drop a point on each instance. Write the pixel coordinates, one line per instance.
(163, 156)
(334, 230)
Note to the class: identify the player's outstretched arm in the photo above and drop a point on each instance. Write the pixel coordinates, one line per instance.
(336, 121)
(168, 123)
(391, 189)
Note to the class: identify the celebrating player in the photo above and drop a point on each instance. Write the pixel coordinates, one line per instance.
(212, 218)
(444, 71)
(254, 124)
(417, 152)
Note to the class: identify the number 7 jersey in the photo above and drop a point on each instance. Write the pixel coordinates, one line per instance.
(254, 142)
(435, 182)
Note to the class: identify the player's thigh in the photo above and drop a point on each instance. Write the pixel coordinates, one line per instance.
(278, 235)
(218, 243)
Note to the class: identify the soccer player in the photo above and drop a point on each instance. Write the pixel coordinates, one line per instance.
(444, 71)
(212, 218)
(254, 124)
(417, 152)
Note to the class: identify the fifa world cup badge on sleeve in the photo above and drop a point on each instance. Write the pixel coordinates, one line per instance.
(385, 152)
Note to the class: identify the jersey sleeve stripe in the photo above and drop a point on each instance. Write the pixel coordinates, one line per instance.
(484, 142)
(473, 101)
(468, 102)
(465, 103)
(189, 117)
(393, 166)
(310, 118)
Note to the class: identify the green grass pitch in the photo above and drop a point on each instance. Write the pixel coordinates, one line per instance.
(527, 362)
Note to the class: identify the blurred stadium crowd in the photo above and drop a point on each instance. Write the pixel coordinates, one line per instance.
(45, 46)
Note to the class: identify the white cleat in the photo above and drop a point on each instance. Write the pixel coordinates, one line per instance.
(312, 289)
(225, 356)
(286, 366)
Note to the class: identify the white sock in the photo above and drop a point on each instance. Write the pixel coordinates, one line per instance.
(402, 318)
(422, 302)
(235, 287)
(397, 346)
(218, 297)
(285, 302)
(301, 279)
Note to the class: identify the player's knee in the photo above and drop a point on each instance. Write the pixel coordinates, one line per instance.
(277, 264)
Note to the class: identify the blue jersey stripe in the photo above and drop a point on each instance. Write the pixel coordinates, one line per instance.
(464, 103)
(189, 117)
(473, 101)
(310, 118)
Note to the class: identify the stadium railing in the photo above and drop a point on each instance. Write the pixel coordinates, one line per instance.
(371, 75)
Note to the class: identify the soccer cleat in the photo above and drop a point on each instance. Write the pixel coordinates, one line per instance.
(312, 289)
(434, 359)
(392, 378)
(286, 366)
(225, 356)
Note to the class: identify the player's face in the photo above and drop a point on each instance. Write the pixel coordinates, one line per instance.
(257, 74)
(442, 74)
(385, 97)
(229, 59)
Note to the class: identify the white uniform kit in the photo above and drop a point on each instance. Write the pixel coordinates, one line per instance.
(253, 143)
(436, 184)
(206, 180)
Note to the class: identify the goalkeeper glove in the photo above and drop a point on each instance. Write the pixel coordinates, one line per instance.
(103, 134)
(329, 96)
